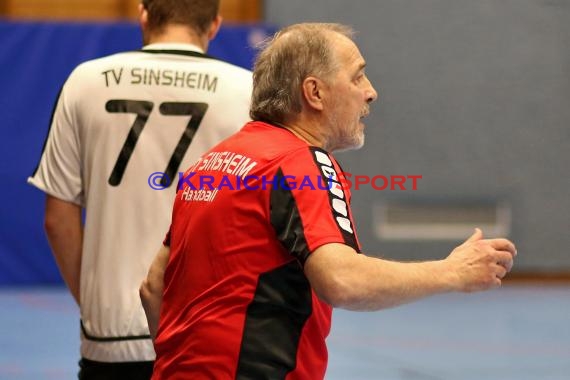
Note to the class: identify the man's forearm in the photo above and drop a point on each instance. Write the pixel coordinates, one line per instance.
(387, 283)
(65, 235)
(367, 283)
(152, 287)
(357, 282)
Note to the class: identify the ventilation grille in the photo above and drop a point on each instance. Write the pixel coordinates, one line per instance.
(440, 221)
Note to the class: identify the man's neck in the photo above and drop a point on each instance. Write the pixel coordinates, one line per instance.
(179, 34)
(308, 131)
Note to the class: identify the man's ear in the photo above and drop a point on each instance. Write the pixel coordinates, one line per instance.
(214, 27)
(313, 91)
(143, 16)
(143, 22)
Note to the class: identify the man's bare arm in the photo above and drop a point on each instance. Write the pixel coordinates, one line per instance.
(152, 287)
(64, 231)
(358, 282)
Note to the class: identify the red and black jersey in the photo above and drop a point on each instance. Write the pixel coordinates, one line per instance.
(236, 301)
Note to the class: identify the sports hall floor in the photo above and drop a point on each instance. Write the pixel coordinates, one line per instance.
(519, 332)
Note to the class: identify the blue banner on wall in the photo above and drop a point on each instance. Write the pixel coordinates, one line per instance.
(35, 60)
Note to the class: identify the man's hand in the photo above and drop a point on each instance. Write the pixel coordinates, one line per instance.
(481, 264)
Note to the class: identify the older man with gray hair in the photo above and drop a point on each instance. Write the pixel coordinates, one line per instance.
(247, 279)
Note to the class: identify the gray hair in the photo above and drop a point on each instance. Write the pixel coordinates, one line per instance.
(293, 54)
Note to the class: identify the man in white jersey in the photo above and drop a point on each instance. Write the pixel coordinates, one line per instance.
(119, 119)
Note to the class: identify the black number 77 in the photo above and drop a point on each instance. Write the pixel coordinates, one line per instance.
(142, 109)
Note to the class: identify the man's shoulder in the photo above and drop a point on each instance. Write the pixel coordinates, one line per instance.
(173, 62)
(229, 69)
(97, 64)
(271, 142)
(233, 67)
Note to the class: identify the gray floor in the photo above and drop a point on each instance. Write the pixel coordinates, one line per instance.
(514, 333)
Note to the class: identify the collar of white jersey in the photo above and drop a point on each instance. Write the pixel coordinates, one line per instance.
(175, 48)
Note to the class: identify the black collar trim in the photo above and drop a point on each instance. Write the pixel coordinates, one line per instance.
(190, 53)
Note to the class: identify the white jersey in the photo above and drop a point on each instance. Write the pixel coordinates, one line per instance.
(118, 120)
